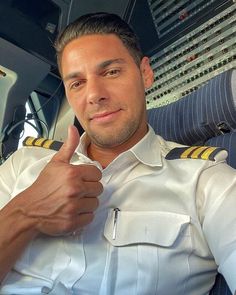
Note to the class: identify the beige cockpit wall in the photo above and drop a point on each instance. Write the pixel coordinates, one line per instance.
(23, 73)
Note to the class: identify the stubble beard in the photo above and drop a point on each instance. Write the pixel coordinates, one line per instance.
(113, 137)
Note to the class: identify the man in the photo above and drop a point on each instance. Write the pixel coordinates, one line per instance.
(117, 211)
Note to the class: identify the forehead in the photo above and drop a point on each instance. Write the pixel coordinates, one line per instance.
(92, 49)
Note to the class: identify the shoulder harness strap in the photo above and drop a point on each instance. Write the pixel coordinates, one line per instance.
(194, 152)
(42, 142)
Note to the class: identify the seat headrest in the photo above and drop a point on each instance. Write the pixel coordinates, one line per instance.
(205, 113)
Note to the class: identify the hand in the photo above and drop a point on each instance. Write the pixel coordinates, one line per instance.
(64, 196)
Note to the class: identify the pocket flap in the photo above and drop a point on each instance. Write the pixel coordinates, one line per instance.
(149, 227)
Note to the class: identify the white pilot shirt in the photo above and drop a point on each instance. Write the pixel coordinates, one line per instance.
(163, 226)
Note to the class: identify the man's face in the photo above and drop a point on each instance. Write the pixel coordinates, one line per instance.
(106, 89)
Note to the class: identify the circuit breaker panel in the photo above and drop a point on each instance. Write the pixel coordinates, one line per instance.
(197, 41)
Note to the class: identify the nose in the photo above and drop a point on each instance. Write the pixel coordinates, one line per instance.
(96, 91)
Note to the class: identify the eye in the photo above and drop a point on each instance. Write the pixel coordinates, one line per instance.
(76, 84)
(112, 72)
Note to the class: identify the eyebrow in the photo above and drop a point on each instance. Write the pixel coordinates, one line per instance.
(100, 66)
(107, 63)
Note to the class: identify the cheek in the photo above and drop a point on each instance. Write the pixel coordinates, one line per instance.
(133, 89)
(138, 93)
(76, 105)
(68, 97)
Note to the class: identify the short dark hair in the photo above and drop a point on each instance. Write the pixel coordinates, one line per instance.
(100, 23)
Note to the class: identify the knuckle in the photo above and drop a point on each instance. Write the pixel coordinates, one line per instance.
(70, 172)
(100, 188)
(69, 191)
(67, 225)
(95, 203)
(86, 218)
(70, 209)
(97, 173)
(97, 189)
(74, 189)
(92, 170)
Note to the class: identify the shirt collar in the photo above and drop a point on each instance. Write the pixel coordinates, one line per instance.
(146, 151)
(83, 145)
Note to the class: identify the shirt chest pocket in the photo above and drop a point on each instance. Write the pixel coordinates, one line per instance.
(149, 247)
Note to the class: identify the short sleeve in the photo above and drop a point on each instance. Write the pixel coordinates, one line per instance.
(216, 201)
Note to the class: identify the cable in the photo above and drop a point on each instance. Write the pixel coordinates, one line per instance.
(130, 9)
(41, 121)
(7, 132)
(69, 12)
(49, 99)
(10, 128)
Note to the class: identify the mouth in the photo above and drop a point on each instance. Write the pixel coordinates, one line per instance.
(105, 116)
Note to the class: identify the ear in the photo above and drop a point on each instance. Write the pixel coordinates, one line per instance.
(147, 72)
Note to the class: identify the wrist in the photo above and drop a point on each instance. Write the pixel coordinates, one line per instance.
(13, 217)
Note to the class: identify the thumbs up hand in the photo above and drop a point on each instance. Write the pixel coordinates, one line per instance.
(68, 148)
(64, 196)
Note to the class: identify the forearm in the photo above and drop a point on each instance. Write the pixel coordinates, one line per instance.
(16, 231)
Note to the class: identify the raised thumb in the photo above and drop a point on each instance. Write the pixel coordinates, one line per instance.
(68, 148)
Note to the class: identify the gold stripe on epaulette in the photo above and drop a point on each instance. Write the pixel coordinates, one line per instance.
(48, 143)
(42, 142)
(208, 152)
(29, 140)
(187, 152)
(197, 153)
(39, 142)
(194, 152)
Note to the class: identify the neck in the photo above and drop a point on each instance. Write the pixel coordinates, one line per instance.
(105, 155)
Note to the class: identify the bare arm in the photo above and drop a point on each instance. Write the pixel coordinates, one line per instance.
(60, 201)
(16, 232)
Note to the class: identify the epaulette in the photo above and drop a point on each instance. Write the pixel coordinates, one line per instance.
(194, 152)
(42, 142)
